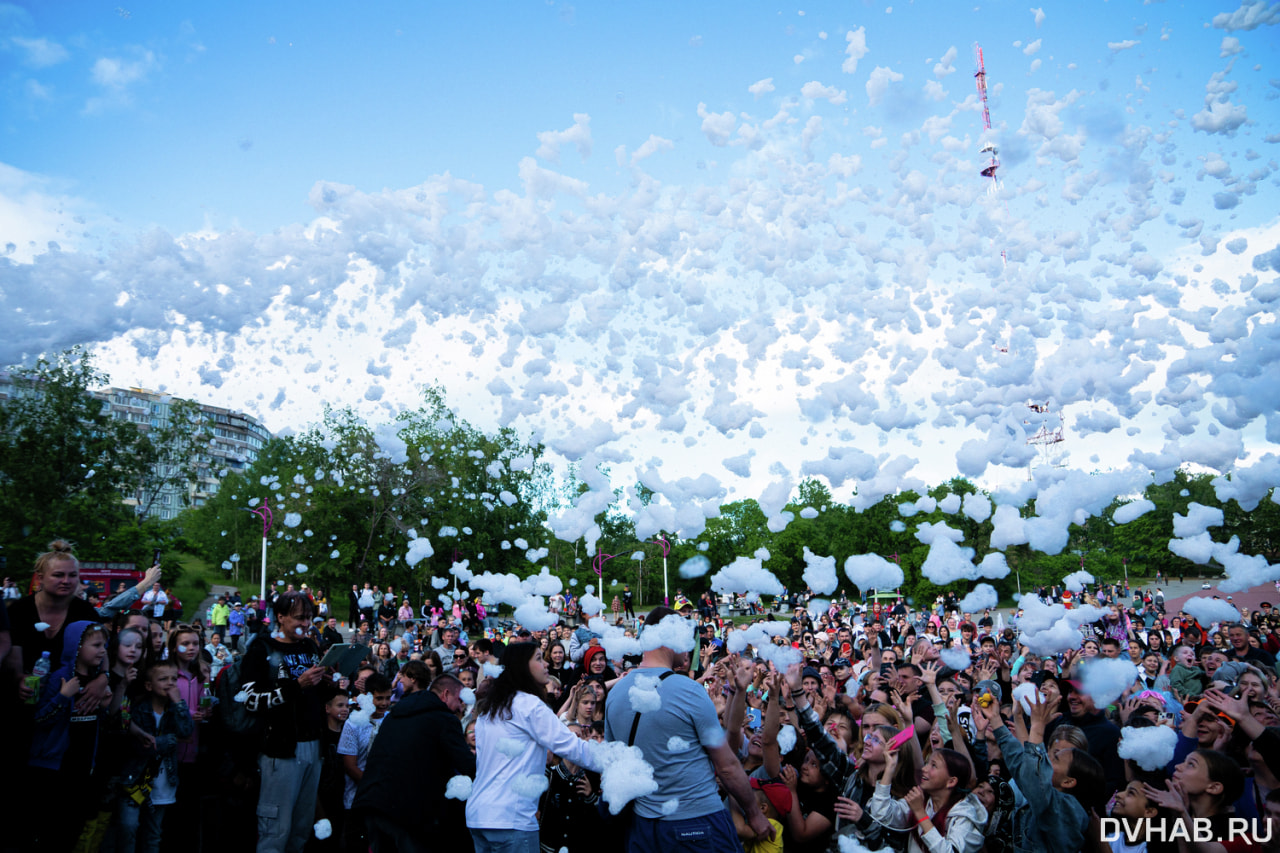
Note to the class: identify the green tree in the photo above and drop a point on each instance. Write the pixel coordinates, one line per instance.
(64, 462)
(173, 457)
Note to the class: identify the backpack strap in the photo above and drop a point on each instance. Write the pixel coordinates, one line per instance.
(635, 722)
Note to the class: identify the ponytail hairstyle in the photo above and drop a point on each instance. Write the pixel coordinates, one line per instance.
(515, 678)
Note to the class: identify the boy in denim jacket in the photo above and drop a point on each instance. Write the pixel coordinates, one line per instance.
(150, 780)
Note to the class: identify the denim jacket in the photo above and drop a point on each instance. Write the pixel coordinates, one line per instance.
(175, 724)
(1046, 819)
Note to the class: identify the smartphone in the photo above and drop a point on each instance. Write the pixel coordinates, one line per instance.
(886, 670)
(901, 737)
(155, 558)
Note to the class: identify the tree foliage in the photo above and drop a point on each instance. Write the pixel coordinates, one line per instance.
(65, 464)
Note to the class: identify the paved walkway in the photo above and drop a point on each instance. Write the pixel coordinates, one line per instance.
(216, 590)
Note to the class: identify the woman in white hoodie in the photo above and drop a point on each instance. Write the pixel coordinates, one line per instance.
(515, 728)
(941, 815)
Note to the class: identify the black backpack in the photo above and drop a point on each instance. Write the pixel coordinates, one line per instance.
(235, 717)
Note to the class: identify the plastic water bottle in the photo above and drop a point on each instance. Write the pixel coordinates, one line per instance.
(36, 679)
(206, 698)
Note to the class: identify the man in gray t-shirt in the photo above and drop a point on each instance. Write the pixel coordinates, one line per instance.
(685, 744)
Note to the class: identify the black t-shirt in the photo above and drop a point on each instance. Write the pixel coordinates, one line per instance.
(81, 754)
(300, 716)
(23, 617)
(332, 776)
(822, 802)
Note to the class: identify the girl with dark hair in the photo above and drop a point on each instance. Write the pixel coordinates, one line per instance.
(432, 660)
(853, 780)
(514, 731)
(186, 650)
(940, 813)
(1204, 786)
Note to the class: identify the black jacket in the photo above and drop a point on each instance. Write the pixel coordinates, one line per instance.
(293, 714)
(419, 748)
(329, 638)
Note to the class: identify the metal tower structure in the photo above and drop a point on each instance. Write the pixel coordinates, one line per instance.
(1046, 436)
(993, 162)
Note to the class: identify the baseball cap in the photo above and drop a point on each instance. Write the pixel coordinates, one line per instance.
(839, 662)
(779, 795)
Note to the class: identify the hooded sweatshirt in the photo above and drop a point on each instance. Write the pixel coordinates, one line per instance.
(411, 793)
(56, 721)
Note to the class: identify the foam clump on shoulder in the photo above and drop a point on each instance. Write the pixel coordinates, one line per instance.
(644, 695)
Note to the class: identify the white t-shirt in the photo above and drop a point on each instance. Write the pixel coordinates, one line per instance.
(164, 792)
(357, 740)
(156, 600)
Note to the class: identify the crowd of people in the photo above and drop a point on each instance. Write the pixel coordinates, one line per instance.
(854, 726)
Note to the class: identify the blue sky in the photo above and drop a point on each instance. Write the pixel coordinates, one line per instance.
(232, 113)
(737, 237)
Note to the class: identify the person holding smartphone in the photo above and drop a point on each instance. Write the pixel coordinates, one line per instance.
(282, 676)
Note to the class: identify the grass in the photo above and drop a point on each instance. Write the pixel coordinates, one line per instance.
(198, 578)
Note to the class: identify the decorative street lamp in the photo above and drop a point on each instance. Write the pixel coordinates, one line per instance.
(666, 549)
(263, 512)
(598, 565)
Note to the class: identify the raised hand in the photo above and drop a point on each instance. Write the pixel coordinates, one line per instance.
(584, 785)
(903, 705)
(790, 777)
(890, 761)
(1041, 712)
(1171, 798)
(990, 713)
(915, 799)
(847, 809)
(794, 678)
(929, 672)
(1234, 708)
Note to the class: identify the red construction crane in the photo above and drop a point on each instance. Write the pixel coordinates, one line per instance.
(980, 76)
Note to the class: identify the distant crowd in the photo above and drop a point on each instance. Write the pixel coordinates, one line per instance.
(858, 725)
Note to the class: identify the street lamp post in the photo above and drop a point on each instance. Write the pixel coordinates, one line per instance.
(666, 549)
(598, 564)
(263, 512)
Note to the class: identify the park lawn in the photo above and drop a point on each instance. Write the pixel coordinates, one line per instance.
(197, 579)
